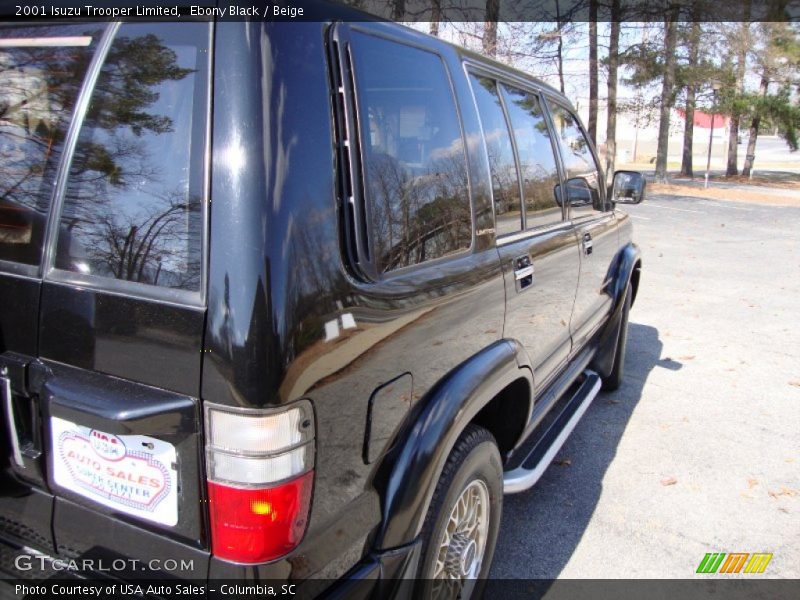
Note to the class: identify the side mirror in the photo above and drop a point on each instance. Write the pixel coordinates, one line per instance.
(628, 187)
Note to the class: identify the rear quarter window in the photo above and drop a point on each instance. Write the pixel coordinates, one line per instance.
(132, 208)
(414, 162)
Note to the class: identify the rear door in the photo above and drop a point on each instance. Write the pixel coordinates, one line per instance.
(122, 306)
(536, 244)
(41, 72)
(594, 223)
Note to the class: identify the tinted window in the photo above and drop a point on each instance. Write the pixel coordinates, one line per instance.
(537, 163)
(41, 71)
(582, 173)
(132, 207)
(505, 184)
(414, 162)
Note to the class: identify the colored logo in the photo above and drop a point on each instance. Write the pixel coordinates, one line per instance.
(735, 562)
(106, 445)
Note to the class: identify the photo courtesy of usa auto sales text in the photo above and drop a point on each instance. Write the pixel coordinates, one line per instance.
(106, 590)
(141, 590)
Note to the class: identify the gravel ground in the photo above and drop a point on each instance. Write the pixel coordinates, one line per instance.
(699, 450)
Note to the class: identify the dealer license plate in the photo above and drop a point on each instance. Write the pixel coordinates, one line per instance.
(133, 474)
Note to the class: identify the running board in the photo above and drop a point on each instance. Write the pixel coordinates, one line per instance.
(545, 450)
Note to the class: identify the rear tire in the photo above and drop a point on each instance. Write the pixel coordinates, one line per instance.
(614, 379)
(461, 527)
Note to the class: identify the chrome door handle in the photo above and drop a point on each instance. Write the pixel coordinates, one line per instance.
(5, 389)
(587, 243)
(523, 273)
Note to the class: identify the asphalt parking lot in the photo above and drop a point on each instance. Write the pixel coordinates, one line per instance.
(699, 450)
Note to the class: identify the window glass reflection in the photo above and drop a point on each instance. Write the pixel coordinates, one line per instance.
(41, 71)
(132, 207)
(414, 161)
(536, 157)
(582, 173)
(505, 184)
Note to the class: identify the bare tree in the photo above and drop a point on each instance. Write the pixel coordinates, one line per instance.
(436, 17)
(398, 10)
(693, 41)
(740, 48)
(490, 28)
(668, 83)
(593, 101)
(613, 66)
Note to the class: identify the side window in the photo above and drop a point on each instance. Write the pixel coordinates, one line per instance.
(41, 72)
(505, 184)
(536, 153)
(132, 205)
(583, 179)
(414, 162)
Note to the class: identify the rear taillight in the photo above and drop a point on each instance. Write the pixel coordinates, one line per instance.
(260, 474)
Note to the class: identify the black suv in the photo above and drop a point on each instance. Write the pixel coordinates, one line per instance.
(292, 301)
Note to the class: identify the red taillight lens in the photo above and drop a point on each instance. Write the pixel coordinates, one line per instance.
(257, 525)
(260, 472)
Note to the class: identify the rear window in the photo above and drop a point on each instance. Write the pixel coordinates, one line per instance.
(133, 200)
(415, 165)
(41, 72)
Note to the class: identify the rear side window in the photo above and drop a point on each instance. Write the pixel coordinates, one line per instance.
(41, 72)
(537, 162)
(414, 162)
(505, 185)
(132, 204)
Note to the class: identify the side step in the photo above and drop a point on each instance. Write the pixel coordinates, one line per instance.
(545, 450)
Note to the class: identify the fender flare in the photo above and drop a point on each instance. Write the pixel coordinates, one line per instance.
(626, 265)
(408, 474)
(629, 259)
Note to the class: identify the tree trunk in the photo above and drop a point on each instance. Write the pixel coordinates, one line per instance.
(613, 64)
(733, 135)
(754, 124)
(560, 47)
(687, 168)
(436, 17)
(490, 28)
(670, 41)
(398, 10)
(592, 125)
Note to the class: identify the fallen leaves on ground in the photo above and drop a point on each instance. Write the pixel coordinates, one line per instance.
(669, 481)
(751, 483)
(795, 382)
(564, 462)
(784, 491)
(687, 357)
